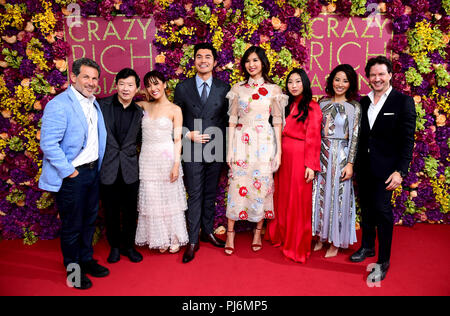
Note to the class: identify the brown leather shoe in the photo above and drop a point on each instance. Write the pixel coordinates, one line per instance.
(189, 253)
(212, 240)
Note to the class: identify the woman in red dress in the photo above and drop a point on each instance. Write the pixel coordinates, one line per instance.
(291, 228)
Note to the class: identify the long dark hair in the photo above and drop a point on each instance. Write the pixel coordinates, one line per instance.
(303, 105)
(352, 78)
(264, 61)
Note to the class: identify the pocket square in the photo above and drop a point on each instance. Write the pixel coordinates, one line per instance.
(388, 113)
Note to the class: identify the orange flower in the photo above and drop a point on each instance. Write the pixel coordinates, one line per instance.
(37, 105)
(382, 7)
(179, 21)
(160, 59)
(276, 23)
(440, 120)
(417, 99)
(331, 8)
(6, 113)
(25, 82)
(60, 64)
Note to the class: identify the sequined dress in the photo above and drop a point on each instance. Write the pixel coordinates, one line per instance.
(161, 204)
(334, 212)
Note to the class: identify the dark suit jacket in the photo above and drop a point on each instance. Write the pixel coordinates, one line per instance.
(388, 147)
(125, 156)
(197, 117)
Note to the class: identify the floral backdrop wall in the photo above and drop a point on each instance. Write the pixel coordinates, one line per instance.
(33, 69)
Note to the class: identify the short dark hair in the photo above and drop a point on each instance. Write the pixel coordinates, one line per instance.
(264, 61)
(128, 72)
(152, 76)
(352, 78)
(209, 46)
(76, 66)
(381, 60)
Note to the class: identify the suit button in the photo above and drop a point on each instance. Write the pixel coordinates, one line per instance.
(368, 150)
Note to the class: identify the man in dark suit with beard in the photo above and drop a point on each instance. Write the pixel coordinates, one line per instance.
(202, 100)
(384, 153)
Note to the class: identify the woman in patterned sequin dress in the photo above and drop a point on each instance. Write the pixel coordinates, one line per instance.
(162, 196)
(334, 211)
(254, 145)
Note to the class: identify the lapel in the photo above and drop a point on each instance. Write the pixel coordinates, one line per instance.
(78, 110)
(109, 121)
(213, 95)
(364, 118)
(387, 104)
(196, 101)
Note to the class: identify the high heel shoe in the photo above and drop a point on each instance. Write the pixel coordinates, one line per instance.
(174, 248)
(229, 250)
(256, 247)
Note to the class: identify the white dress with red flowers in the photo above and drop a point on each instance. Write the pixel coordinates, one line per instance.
(250, 192)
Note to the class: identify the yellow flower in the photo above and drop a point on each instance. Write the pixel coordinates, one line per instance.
(45, 21)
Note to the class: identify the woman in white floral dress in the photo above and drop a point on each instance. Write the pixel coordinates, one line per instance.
(254, 145)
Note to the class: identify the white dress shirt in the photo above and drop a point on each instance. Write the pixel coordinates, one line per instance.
(90, 152)
(374, 109)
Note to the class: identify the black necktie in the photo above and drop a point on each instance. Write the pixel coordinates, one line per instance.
(204, 96)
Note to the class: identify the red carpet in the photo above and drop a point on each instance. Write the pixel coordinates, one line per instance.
(419, 266)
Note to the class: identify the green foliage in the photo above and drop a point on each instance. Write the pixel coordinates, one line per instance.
(254, 12)
(203, 13)
(420, 119)
(11, 58)
(16, 144)
(431, 165)
(442, 76)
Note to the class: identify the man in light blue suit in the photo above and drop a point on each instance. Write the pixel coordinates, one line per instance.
(73, 140)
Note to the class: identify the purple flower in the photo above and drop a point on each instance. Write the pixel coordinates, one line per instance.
(60, 49)
(88, 8)
(272, 7)
(396, 9)
(27, 68)
(237, 5)
(278, 41)
(401, 24)
(56, 78)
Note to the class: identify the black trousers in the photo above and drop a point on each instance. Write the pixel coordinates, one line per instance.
(376, 213)
(77, 201)
(201, 181)
(120, 202)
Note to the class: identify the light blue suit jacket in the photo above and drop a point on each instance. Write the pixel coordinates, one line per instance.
(64, 134)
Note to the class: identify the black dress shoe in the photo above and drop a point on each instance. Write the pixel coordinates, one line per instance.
(132, 254)
(94, 269)
(212, 240)
(189, 253)
(362, 254)
(114, 255)
(83, 283)
(378, 273)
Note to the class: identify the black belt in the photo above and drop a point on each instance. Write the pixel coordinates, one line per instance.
(89, 165)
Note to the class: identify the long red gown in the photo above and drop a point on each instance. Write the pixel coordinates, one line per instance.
(291, 228)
